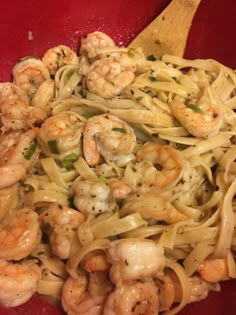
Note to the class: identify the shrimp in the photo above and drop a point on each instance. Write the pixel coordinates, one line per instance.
(61, 238)
(214, 270)
(92, 197)
(63, 222)
(133, 259)
(151, 206)
(166, 291)
(29, 73)
(19, 234)
(19, 148)
(55, 214)
(11, 174)
(17, 115)
(133, 299)
(109, 136)
(93, 43)
(8, 139)
(11, 92)
(83, 296)
(107, 77)
(59, 56)
(9, 199)
(170, 290)
(96, 262)
(200, 288)
(44, 95)
(18, 282)
(119, 189)
(135, 60)
(203, 121)
(60, 135)
(165, 166)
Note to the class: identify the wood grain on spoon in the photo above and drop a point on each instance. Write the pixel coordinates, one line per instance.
(168, 33)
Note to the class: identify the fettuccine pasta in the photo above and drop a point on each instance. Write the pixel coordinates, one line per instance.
(119, 176)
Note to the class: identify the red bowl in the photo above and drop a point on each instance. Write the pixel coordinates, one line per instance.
(64, 22)
(56, 21)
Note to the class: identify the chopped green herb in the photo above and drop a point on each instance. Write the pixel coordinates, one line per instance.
(103, 179)
(153, 79)
(139, 98)
(88, 115)
(71, 202)
(177, 123)
(83, 92)
(195, 108)
(69, 159)
(131, 52)
(30, 151)
(27, 57)
(22, 183)
(53, 146)
(58, 64)
(152, 58)
(70, 73)
(121, 130)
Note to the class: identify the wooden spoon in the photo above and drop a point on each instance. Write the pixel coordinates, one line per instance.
(168, 33)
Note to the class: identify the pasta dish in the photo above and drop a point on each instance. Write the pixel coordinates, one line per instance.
(118, 178)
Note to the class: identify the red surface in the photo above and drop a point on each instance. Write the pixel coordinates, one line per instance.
(36, 306)
(217, 303)
(64, 22)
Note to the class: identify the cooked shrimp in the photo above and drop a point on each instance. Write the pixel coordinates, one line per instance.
(170, 289)
(203, 121)
(18, 282)
(97, 262)
(11, 174)
(134, 259)
(107, 77)
(29, 73)
(8, 139)
(135, 60)
(59, 56)
(81, 297)
(92, 43)
(17, 115)
(166, 291)
(19, 148)
(119, 189)
(11, 92)
(151, 206)
(61, 239)
(166, 166)
(214, 270)
(140, 298)
(19, 234)
(99, 283)
(200, 289)
(44, 95)
(60, 135)
(9, 199)
(92, 197)
(63, 222)
(55, 214)
(109, 136)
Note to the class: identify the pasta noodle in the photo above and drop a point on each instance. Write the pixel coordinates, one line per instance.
(129, 166)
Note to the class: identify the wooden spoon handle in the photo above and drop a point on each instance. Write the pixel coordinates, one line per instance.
(168, 33)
